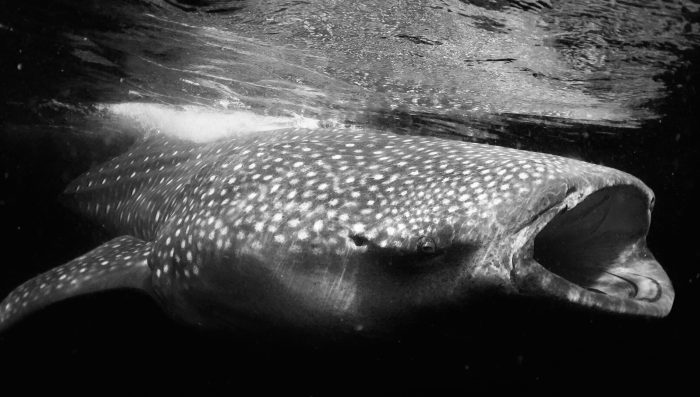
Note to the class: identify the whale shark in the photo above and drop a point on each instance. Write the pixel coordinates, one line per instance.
(353, 228)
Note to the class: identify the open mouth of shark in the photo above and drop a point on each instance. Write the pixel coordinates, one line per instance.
(595, 254)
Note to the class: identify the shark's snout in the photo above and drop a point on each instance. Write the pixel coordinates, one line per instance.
(591, 250)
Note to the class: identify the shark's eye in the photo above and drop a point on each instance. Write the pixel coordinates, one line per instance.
(426, 245)
(359, 240)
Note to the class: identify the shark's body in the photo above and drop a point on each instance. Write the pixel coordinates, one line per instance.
(338, 227)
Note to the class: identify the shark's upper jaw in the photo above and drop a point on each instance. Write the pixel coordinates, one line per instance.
(591, 250)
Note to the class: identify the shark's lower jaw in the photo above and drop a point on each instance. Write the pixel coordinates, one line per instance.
(594, 254)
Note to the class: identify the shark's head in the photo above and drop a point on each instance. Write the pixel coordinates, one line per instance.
(359, 227)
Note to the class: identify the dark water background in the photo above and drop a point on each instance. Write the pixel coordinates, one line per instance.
(610, 82)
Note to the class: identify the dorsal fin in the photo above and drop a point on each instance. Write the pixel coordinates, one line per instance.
(118, 263)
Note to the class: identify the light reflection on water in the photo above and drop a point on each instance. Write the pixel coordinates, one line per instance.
(448, 66)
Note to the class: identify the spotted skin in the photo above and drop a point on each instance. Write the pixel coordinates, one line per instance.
(324, 227)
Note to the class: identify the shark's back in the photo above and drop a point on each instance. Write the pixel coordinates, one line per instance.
(132, 193)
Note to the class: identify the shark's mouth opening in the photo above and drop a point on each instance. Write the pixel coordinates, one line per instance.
(595, 254)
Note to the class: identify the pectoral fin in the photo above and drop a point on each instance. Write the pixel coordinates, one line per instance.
(118, 263)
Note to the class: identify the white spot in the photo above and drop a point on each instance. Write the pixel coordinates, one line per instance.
(358, 228)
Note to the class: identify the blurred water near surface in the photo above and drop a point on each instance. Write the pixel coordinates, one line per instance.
(446, 63)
